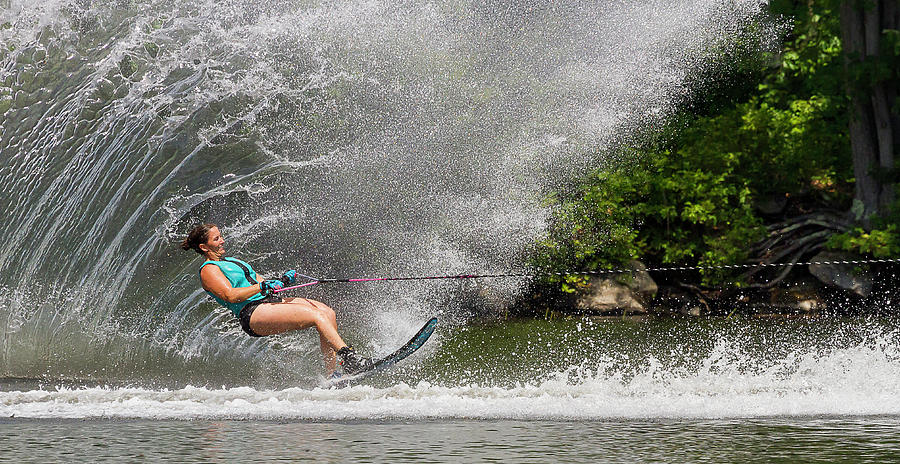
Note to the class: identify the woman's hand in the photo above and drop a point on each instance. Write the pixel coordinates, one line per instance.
(289, 277)
(269, 286)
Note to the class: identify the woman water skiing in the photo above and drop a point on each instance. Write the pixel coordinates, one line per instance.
(234, 285)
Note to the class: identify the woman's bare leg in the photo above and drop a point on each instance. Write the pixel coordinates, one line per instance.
(296, 314)
(328, 352)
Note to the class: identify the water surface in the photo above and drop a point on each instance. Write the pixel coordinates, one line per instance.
(802, 439)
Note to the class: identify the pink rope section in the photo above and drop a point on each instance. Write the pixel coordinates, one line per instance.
(384, 279)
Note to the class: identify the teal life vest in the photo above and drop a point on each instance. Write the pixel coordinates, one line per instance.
(238, 278)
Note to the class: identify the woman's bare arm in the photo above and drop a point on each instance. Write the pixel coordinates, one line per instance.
(216, 283)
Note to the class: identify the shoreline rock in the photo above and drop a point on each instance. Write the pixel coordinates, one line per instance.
(843, 276)
(628, 293)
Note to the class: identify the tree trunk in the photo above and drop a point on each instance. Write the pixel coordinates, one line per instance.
(874, 118)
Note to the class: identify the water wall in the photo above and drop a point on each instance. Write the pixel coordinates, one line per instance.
(340, 138)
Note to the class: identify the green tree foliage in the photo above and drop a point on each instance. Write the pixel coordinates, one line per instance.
(882, 242)
(674, 207)
(691, 199)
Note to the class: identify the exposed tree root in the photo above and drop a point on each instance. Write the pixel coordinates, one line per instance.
(697, 292)
(790, 240)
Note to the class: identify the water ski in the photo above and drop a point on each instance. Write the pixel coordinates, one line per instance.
(384, 363)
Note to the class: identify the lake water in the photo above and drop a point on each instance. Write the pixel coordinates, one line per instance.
(776, 439)
(745, 390)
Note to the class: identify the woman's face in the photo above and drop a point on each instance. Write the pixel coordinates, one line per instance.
(215, 243)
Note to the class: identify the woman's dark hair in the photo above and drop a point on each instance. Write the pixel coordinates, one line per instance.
(199, 234)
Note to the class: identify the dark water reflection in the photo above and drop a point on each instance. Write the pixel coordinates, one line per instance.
(846, 439)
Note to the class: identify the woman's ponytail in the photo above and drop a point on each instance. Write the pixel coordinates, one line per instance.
(198, 235)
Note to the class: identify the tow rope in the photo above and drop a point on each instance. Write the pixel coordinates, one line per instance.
(314, 281)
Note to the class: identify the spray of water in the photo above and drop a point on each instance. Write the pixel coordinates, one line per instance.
(713, 371)
(341, 138)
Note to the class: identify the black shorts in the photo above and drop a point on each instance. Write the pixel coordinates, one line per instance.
(248, 309)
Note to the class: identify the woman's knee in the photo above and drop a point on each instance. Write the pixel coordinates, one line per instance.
(324, 310)
(329, 313)
(321, 318)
